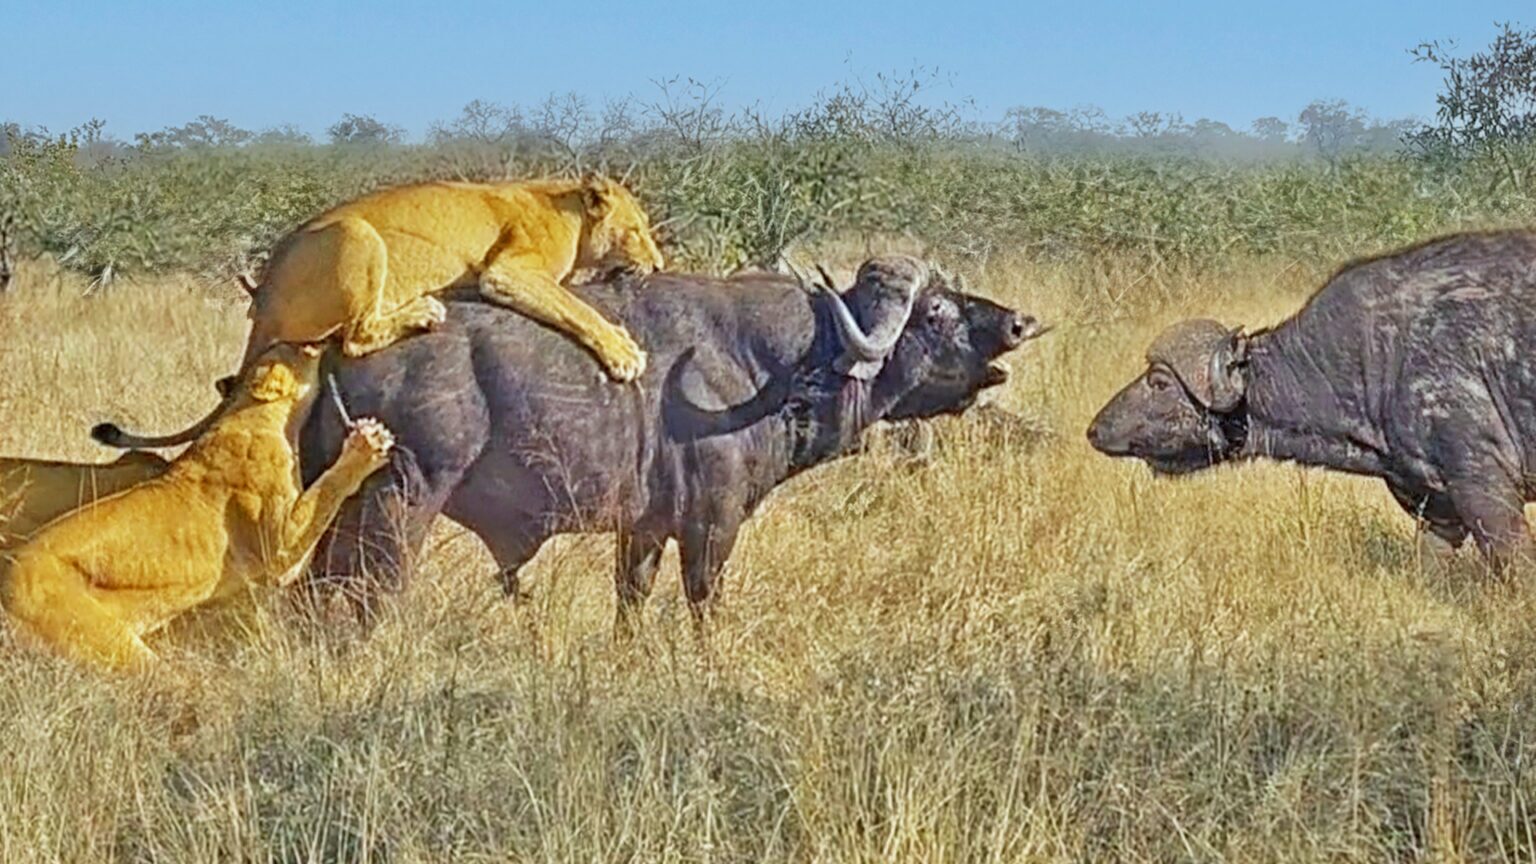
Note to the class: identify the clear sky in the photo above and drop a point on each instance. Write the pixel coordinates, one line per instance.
(145, 64)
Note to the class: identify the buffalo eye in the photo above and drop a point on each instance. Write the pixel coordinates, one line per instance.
(935, 310)
(1159, 382)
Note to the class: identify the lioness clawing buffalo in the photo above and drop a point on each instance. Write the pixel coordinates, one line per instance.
(227, 512)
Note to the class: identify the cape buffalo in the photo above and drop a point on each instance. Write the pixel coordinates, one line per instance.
(507, 428)
(1415, 367)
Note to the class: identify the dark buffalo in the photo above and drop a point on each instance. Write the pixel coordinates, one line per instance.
(508, 428)
(1415, 367)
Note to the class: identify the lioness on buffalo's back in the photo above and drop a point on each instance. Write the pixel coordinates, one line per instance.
(1415, 367)
(367, 269)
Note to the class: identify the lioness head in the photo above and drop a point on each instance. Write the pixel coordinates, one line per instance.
(618, 235)
(286, 371)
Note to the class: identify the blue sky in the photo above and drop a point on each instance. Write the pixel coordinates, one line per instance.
(145, 65)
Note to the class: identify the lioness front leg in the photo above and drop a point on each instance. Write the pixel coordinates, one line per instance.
(533, 293)
(366, 450)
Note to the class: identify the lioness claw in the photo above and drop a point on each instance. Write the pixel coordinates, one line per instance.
(436, 314)
(370, 438)
(626, 361)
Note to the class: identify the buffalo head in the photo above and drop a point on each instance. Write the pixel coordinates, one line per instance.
(928, 341)
(950, 346)
(1184, 413)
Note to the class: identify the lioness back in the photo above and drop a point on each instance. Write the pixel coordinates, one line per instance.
(439, 234)
(430, 236)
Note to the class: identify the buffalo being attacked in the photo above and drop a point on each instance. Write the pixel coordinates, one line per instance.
(503, 427)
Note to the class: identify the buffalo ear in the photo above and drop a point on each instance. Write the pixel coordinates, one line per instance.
(1229, 372)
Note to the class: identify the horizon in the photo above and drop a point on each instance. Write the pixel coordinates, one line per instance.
(164, 64)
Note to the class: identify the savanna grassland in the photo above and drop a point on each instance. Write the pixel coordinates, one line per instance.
(1018, 651)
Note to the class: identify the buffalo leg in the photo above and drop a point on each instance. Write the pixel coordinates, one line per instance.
(1494, 513)
(366, 548)
(704, 548)
(638, 557)
(511, 541)
(380, 531)
(1440, 529)
(512, 549)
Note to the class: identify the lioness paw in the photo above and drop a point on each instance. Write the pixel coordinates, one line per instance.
(434, 313)
(369, 440)
(623, 359)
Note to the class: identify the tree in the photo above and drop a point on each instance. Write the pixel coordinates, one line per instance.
(205, 131)
(1271, 130)
(1331, 128)
(363, 129)
(1487, 99)
(287, 134)
(481, 122)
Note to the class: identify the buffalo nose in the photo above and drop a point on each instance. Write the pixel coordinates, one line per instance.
(1096, 437)
(1102, 442)
(1018, 329)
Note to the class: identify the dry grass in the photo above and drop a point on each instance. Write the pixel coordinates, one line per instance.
(1017, 653)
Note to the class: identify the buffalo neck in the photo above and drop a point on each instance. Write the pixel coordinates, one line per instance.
(1308, 400)
(827, 411)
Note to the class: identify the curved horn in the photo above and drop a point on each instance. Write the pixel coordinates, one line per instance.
(884, 290)
(1228, 375)
(1208, 358)
(855, 340)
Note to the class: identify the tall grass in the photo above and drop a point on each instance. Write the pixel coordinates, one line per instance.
(1023, 651)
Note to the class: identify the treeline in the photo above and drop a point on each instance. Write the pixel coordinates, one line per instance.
(739, 187)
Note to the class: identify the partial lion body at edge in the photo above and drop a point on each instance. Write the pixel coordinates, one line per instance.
(34, 492)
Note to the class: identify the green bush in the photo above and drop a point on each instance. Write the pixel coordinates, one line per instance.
(751, 191)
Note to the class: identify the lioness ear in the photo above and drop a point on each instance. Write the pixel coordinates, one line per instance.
(596, 194)
(273, 382)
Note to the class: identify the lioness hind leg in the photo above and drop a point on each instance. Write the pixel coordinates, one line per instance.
(373, 334)
(533, 293)
(347, 262)
(45, 598)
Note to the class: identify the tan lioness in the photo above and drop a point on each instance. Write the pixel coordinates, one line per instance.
(227, 512)
(34, 492)
(367, 270)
